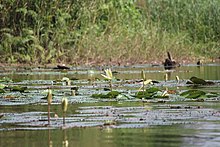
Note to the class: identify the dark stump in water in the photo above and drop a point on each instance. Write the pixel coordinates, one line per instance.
(169, 63)
(63, 66)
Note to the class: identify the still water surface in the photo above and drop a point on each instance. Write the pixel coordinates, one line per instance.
(203, 130)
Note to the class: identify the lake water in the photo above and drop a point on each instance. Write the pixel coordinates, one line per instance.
(175, 122)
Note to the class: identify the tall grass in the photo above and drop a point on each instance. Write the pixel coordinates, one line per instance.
(81, 31)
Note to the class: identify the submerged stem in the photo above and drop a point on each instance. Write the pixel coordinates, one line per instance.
(48, 114)
(110, 85)
(64, 114)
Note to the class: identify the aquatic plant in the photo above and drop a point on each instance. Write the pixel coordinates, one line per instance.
(17, 88)
(6, 80)
(49, 101)
(143, 78)
(108, 76)
(144, 81)
(150, 93)
(195, 94)
(111, 94)
(66, 81)
(64, 104)
(177, 79)
(198, 81)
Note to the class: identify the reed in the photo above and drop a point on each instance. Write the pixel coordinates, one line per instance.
(107, 30)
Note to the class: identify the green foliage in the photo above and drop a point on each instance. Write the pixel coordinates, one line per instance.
(198, 81)
(152, 92)
(198, 94)
(193, 93)
(46, 31)
(17, 88)
(111, 94)
(6, 80)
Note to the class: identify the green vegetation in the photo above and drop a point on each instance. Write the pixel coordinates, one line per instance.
(80, 31)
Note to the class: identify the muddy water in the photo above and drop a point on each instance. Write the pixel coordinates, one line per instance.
(113, 123)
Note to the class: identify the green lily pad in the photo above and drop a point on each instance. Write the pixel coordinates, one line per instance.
(152, 92)
(2, 86)
(112, 94)
(2, 91)
(17, 88)
(6, 79)
(196, 80)
(144, 94)
(212, 94)
(193, 94)
(152, 89)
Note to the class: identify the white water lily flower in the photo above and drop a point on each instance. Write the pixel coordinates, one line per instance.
(149, 81)
(165, 93)
(65, 79)
(108, 74)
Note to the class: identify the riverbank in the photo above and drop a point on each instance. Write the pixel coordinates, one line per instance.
(108, 32)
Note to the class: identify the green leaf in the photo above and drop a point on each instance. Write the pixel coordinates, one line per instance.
(2, 86)
(2, 91)
(152, 89)
(193, 94)
(17, 88)
(196, 80)
(112, 94)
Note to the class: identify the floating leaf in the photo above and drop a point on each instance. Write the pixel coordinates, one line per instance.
(150, 93)
(2, 91)
(6, 79)
(17, 88)
(2, 86)
(196, 80)
(193, 94)
(144, 94)
(152, 89)
(111, 94)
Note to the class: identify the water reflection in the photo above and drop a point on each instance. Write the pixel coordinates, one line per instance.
(50, 142)
(65, 139)
(209, 72)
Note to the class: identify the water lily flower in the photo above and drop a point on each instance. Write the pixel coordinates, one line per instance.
(49, 101)
(49, 96)
(143, 75)
(177, 79)
(64, 104)
(66, 80)
(146, 82)
(108, 74)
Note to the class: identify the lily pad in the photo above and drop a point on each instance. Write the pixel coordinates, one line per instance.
(2, 86)
(152, 92)
(2, 91)
(6, 79)
(112, 94)
(17, 88)
(195, 80)
(152, 89)
(193, 94)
